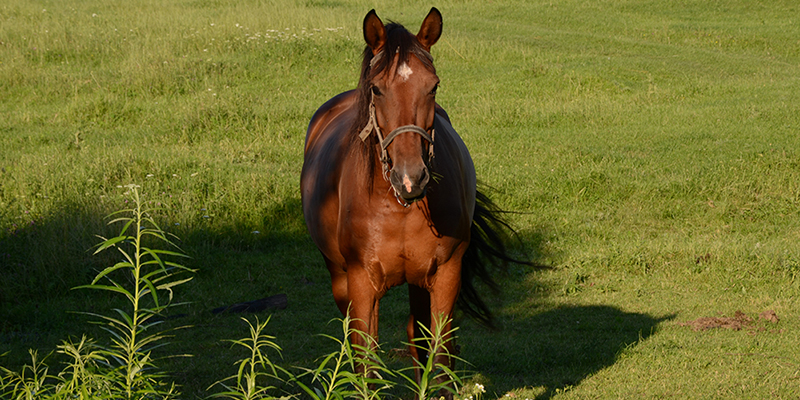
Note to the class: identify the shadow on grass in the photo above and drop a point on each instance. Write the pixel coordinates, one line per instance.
(557, 348)
(41, 258)
(554, 349)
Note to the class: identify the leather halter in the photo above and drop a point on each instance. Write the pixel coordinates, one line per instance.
(372, 124)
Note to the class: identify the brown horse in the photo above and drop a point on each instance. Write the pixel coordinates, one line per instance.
(403, 207)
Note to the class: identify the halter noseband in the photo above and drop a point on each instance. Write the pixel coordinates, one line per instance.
(372, 124)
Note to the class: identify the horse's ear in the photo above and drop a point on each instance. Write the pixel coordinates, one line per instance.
(431, 29)
(374, 32)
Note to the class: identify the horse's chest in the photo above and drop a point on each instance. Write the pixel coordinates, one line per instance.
(413, 257)
(397, 246)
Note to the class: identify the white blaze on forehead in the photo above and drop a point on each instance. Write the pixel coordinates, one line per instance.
(404, 71)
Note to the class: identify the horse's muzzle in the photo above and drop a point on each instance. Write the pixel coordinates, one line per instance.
(409, 185)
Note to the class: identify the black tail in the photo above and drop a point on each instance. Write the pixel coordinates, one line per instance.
(487, 248)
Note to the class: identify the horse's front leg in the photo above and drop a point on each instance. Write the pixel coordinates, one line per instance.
(443, 300)
(437, 317)
(364, 305)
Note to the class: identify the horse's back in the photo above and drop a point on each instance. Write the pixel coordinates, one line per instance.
(338, 111)
(451, 147)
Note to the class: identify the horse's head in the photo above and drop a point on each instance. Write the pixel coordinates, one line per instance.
(403, 84)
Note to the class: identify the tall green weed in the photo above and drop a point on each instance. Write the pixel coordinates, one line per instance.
(351, 372)
(126, 368)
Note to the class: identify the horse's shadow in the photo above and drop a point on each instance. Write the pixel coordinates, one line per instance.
(540, 345)
(555, 349)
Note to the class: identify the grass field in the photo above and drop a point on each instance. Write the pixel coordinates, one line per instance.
(652, 150)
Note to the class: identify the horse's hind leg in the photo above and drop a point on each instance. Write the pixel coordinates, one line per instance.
(420, 304)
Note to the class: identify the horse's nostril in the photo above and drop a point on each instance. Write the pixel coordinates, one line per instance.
(423, 177)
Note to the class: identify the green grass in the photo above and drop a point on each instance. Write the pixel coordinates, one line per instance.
(652, 147)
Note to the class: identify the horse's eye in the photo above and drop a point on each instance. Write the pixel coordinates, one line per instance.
(376, 91)
(435, 88)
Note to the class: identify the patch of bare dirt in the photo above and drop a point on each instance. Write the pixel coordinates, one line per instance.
(770, 316)
(739, 321)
